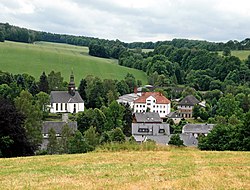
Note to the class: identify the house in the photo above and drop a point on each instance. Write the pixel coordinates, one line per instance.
(66, 101)
(186, 105)
(152, 102)
(150, 126)
(197, 129)
(175, 116)
(57, 126)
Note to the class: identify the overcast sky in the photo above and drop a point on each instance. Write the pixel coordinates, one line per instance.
(133, 20)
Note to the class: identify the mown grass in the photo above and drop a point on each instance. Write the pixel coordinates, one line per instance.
(43, 56)
(173, 168)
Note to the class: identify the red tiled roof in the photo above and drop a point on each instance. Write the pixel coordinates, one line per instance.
(160, 98)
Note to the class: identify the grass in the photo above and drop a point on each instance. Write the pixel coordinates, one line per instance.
(43, 56)
(242, 54)
(174, 168)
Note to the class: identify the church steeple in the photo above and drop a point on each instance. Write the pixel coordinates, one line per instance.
(72, 86)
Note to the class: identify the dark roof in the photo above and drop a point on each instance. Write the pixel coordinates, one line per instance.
(57, 126)
(65, 97)
(174, 115)
(148, 117)
(197, 128)
(189, 100)
(188, 140)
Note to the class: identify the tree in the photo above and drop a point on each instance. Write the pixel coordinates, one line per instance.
(78, 144)
(114, 115)
(33, 117)
(2, 37)
(82, 89)
(227, 51)
(127, 120)
(64, 141)
(43, 83)
(52, 147)
(105, 137)
(176, 140)
(55, 81)
(13, 138)
(43, 101)
(91, 137)
(117, 135)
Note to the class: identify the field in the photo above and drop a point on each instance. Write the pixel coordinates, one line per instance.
(172, 169)
(43, 56)
(242, 54)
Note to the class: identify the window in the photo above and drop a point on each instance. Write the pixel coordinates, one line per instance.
(56, 107)
(153, 100)
(143, 130)
(66, 107)
(161, 130)
(163, 111)
(157, 106)
(61, 106)
(144, 106)
(153, 106)
(140, 106)
(148, 103)
(137, 106)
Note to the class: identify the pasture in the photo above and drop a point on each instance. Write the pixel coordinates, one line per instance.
(44, 56)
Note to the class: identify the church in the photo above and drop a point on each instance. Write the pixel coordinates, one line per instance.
(66, 101)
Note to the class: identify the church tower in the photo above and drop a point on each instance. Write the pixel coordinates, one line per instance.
(72, 86)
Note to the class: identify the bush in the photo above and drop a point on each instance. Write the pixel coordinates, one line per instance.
(176, 140)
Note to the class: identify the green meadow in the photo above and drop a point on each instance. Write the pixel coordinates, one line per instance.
(242, 54)
(173, 168)
(44, 56)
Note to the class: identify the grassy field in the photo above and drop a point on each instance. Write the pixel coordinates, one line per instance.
(173, 169)
(43, 56)
(242, 54)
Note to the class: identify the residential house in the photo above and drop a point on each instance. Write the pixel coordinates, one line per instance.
(152, 102)
(186, 105)
(66, 101)
(148, 125)
(197, 129)
(57, 126)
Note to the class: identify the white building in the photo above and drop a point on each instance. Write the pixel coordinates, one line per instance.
(152, 102)
(66, 101)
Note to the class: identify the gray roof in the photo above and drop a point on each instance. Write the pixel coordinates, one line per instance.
(128, 97)
(174, 115)
(148, 117)
(57, 126)
(65, 97)
(189, 100)
(188, 140)
(197, 128)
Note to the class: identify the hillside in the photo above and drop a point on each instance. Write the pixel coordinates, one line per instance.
(173, 169)
(43, 56)
(242, 54)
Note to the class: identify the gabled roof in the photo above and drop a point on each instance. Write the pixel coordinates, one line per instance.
(174, 115)
(189, 100)
(159, 97)
(197, 128)
(57, 126)
(64, 97)
(148, 117)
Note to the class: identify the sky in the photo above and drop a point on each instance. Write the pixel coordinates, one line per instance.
(133, 20)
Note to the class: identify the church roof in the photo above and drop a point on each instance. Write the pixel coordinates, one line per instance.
(65, 97)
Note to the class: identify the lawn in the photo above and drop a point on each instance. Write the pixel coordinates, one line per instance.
(183, 168)
(43, 56)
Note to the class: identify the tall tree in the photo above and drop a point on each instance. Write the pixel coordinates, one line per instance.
(43, 83)
(33, 117)
(52, 147)
(67, 134)
(55, 81)
(82, 89)
(13, 139)
(127, 120)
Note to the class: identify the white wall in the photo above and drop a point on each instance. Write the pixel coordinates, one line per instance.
(61, 107)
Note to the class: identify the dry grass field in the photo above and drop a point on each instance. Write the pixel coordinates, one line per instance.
(171, 169)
